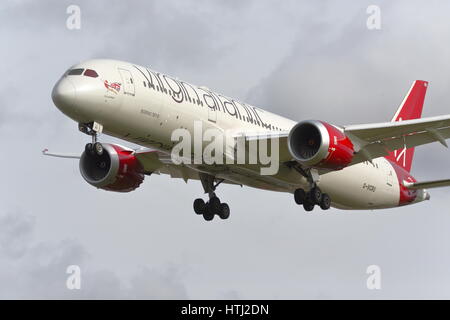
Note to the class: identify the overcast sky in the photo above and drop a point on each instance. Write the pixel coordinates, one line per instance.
(300, 59)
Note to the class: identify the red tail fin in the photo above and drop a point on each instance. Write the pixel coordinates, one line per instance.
(410, 108)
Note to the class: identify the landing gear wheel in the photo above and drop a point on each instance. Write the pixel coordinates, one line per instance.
(308, 206)
(208, 215)
(199, 206)
(98, 147)
(315, 195)
(214, 205)
(224, 211)
(325, 202)
(88, 148)
(299, 196)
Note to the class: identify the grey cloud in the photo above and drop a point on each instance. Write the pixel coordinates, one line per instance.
(331, 73)
(153, 284)
(37, 270)
(15, 232)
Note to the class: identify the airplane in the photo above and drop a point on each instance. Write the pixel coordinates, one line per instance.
(351, 167)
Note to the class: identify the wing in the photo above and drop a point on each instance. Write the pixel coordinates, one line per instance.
(427, 184)
(268, 138)
(158, 162)
(378, 139)
(153, 161)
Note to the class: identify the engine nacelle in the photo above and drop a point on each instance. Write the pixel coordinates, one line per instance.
(318, 144)
(117, 169)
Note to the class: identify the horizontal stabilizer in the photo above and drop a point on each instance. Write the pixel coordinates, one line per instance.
(427, 184)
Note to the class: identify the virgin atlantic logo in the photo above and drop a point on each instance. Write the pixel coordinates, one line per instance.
(113, 87)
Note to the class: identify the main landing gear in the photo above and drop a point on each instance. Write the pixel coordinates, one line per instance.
(92, 129)
(311, 198)
(314, 196)
(212, 207)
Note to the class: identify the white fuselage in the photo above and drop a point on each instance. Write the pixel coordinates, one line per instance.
(149, 106)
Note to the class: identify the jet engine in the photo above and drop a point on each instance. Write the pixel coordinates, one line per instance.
(114, 168)
(317, 144)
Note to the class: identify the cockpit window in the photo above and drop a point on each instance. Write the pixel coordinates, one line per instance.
(91, 73)
(75, 72)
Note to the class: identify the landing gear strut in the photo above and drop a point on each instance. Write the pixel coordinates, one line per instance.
(314, 195)
(212, 207)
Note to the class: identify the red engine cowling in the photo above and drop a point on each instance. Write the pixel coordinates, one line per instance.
(318, 144)
(117, 169)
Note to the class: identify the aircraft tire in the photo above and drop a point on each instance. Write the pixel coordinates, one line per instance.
(299, 196)
(98, 148)
(88, 148)
(308, 206)
(325, 202)
(208, 215)
(224, 211)
(199, 206)
(315, 195)
(214, 205)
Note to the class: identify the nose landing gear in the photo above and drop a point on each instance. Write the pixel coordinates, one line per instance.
(92, 129)
(94, 148)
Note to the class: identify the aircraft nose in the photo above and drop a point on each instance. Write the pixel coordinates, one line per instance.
(64, 95)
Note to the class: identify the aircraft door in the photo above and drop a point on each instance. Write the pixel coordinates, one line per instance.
(128, 83)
